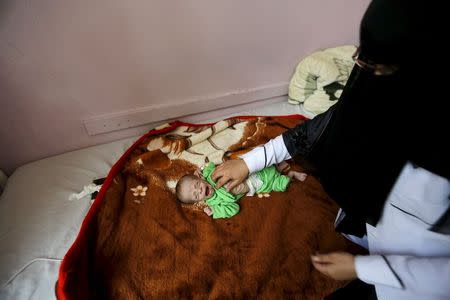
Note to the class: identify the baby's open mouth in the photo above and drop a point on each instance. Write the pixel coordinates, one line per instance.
(208, 191)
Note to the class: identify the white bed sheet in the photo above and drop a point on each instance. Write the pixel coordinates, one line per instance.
(37, 221)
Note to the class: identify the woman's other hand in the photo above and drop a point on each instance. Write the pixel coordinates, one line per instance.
(337, 265)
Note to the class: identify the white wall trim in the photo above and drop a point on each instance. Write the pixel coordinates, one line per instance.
(155, 113)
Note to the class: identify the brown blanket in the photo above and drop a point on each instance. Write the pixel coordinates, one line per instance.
(142, 244)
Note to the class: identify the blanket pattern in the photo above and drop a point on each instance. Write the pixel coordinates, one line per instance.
(139, 242)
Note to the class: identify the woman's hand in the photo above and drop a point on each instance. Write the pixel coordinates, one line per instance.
(230, 173)
(337, 265)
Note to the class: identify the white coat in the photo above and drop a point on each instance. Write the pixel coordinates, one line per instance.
(408, 260)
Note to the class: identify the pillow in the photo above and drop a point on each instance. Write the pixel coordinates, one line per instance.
(319, 78)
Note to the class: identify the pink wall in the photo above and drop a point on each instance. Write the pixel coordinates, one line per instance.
(64, 61)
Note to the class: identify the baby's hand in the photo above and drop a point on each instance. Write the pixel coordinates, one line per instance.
(198, 173)
(208, 211)
(297, 175)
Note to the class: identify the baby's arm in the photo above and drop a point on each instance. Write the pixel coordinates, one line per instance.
(241, 188)
(297, 175)
(282, 166)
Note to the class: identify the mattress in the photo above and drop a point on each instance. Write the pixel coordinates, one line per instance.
(37, 221)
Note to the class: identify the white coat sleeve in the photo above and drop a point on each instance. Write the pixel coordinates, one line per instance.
(422, 275)
(273, 152)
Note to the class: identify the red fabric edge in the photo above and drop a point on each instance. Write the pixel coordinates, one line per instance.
(64, 269)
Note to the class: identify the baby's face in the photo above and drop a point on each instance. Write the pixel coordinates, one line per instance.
(195, 190)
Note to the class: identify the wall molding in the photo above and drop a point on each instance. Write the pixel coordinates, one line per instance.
(161, 112)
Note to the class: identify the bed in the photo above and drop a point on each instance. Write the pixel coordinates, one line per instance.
(38, 223)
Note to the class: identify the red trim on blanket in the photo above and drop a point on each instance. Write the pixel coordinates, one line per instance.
(74, 251)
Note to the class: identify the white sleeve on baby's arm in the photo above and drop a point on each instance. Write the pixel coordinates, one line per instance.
(273, 152)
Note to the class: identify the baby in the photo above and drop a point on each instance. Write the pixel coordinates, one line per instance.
(220, 203)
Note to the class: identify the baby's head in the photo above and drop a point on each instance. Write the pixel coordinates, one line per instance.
(191, 189)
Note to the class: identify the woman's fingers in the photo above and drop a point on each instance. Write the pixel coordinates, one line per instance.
(322, 268)
(322, 258)
(222, 181)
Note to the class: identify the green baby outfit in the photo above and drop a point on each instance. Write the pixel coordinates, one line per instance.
(223, 203)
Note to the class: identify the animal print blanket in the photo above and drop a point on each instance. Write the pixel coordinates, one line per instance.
(139, 242)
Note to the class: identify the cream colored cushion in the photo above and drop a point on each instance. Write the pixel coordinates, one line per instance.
(319, 78)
